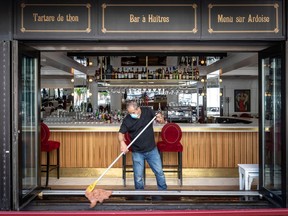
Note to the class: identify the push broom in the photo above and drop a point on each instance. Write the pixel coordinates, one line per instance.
(95, 195)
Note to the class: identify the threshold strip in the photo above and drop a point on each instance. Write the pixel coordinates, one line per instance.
(160, 193)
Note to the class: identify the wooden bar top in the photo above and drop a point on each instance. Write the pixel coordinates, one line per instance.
(186, 127)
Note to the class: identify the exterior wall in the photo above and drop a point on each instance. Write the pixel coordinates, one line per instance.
(286, 120)
(5, 126)
(6, 17)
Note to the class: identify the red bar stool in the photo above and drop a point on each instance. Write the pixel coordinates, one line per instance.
(171, 135)
(48, 146)
(128, 167)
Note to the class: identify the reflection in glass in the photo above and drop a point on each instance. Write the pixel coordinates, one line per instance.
(29, 124)
(271, 68)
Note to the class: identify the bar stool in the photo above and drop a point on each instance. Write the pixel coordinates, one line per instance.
(128, 167)
(48, 146)
(171, 135)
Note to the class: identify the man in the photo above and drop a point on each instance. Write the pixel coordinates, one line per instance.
(144, 148)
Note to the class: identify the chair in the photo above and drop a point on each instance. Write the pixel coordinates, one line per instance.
(128, 167)
(171, 135)
(48, 146)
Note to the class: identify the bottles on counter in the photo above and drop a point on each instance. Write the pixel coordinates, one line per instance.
(171, 73)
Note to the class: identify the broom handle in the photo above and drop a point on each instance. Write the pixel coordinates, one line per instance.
(127, 148)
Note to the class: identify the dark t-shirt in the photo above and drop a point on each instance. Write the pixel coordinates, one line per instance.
(146, 141)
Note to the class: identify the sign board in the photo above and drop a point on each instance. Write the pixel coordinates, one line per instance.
(46, 20)
(242, 20)
(149, 20)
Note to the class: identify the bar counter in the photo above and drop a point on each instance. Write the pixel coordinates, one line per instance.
(87, 146)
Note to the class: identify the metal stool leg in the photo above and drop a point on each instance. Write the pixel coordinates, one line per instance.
(47, 168)
(124, 169)
(58, 163)
(144, 174)
(180, 176)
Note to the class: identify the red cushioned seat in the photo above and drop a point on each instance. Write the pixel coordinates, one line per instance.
(48, 146)
(171, 135)
(128, 167)
(163, 147)
(128, 140)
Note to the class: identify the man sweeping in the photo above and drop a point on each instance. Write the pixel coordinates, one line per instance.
(144, 148)
(138, 123)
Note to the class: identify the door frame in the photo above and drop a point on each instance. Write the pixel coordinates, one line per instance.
(273, 51)
(18, 50)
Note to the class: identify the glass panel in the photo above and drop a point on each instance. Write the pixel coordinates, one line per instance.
(271, 68)
(29, 124)
(213, 94)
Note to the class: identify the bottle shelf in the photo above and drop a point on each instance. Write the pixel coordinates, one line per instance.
(147, 81)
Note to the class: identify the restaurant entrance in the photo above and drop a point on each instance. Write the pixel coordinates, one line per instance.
(272, 178)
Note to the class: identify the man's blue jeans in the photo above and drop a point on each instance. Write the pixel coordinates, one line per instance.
(154, 161)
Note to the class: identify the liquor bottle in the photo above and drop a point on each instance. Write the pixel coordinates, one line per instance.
(113, 74)
(150, 75)
(179, 73)
(132, 73)
(184, 73)
(135, 75)
(191, 73)
(163, 74)
(176, 73)
(167, 73)
(122, 73)
(197, 73)
(125, 73)
(116, 73)
(143, 74)
(156, 73)
(170, 73)
(129, 74)
(97, 75)
(187, 74)
(139, 74)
